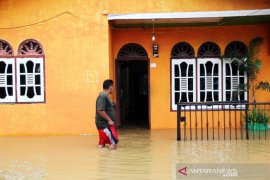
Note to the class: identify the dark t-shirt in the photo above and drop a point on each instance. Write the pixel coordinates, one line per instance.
(104, 103)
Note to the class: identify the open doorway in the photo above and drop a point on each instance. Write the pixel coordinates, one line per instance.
(133, 93)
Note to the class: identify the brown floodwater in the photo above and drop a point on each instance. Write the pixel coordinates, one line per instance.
(141, 154)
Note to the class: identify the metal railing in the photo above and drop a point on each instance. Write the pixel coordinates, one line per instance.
(222, 120)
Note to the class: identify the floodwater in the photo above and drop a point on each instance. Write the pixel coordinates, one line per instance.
(141, 154)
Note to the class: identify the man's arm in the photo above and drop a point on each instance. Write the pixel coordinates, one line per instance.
(104, 115)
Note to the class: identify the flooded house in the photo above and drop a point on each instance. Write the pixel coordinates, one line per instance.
(54, 56)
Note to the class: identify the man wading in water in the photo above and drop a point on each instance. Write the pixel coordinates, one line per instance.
(105, 117)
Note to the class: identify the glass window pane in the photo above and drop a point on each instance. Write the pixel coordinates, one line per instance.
(215, 83)
(209, 66)
(202, 96)
(184, 97)
(22, 69)
(228, 96)
(30, 66)
(23, 90)
(202, 73)
(2, 67)
(10, 91)
(176, 71)
(183, 67)
(241, 71)
(202, 83)
(22, 79)
(242, 95)
(38, 90)
(37, 79)
(9, 80)
(234, 69)
(209, 96)
(241, 80)
(9, 70)
(234, 96)
(216, 70)
(190, 84)
(190, 96)
(177, 97)
(216, 96)
(190, 70)
(30, 92)
(228, 83)
(2, 92)
(228, 70)
(37, 68)
(176, 84)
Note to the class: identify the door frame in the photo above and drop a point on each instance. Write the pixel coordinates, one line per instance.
(117, 82)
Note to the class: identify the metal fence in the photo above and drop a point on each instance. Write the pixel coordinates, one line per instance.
(222, 120)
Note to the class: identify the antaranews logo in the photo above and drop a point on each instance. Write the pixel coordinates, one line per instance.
(209, 170)
(223, 170)
(183, 171)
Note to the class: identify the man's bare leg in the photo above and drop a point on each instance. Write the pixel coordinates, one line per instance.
(112, 147)
(101, 146)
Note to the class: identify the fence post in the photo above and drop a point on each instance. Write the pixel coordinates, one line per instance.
(178, 123)
(247, 135)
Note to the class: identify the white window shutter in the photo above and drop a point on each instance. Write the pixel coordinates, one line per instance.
(30, 79)
(231, 83)
(7, 80)
(209, 80)
(183, 87)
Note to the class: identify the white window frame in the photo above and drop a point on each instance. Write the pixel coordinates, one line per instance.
(234, 83)
(30, 80)
(3, 80)
(207, 88)
(190, 61)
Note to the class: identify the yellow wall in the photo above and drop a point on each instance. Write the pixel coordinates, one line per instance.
(76, 60)
(80, 50)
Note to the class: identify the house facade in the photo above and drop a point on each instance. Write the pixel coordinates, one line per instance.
(54, 56)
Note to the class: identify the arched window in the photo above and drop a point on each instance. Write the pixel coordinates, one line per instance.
(5, 48)
(236, 49)
(182, 50)
(30, 47)
(183, 79)
(209, 50)
(7, 77)
(30, 72)
(209, 72)
(132, 51)
(234, 74)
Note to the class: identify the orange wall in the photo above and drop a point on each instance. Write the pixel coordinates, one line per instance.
(161, 116)
(134, 6)
(79, 51)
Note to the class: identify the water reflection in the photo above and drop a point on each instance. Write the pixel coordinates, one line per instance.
(141, 154)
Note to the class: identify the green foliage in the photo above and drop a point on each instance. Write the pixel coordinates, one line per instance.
(263, 85)
(257, 116)
(241, 88)
(251, 65)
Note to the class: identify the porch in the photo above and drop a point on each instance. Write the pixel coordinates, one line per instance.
(188, 42)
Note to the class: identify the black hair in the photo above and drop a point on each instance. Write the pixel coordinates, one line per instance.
(107, 83)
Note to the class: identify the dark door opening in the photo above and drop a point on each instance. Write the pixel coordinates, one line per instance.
(132, 93)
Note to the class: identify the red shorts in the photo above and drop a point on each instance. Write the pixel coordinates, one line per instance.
(108, 136)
